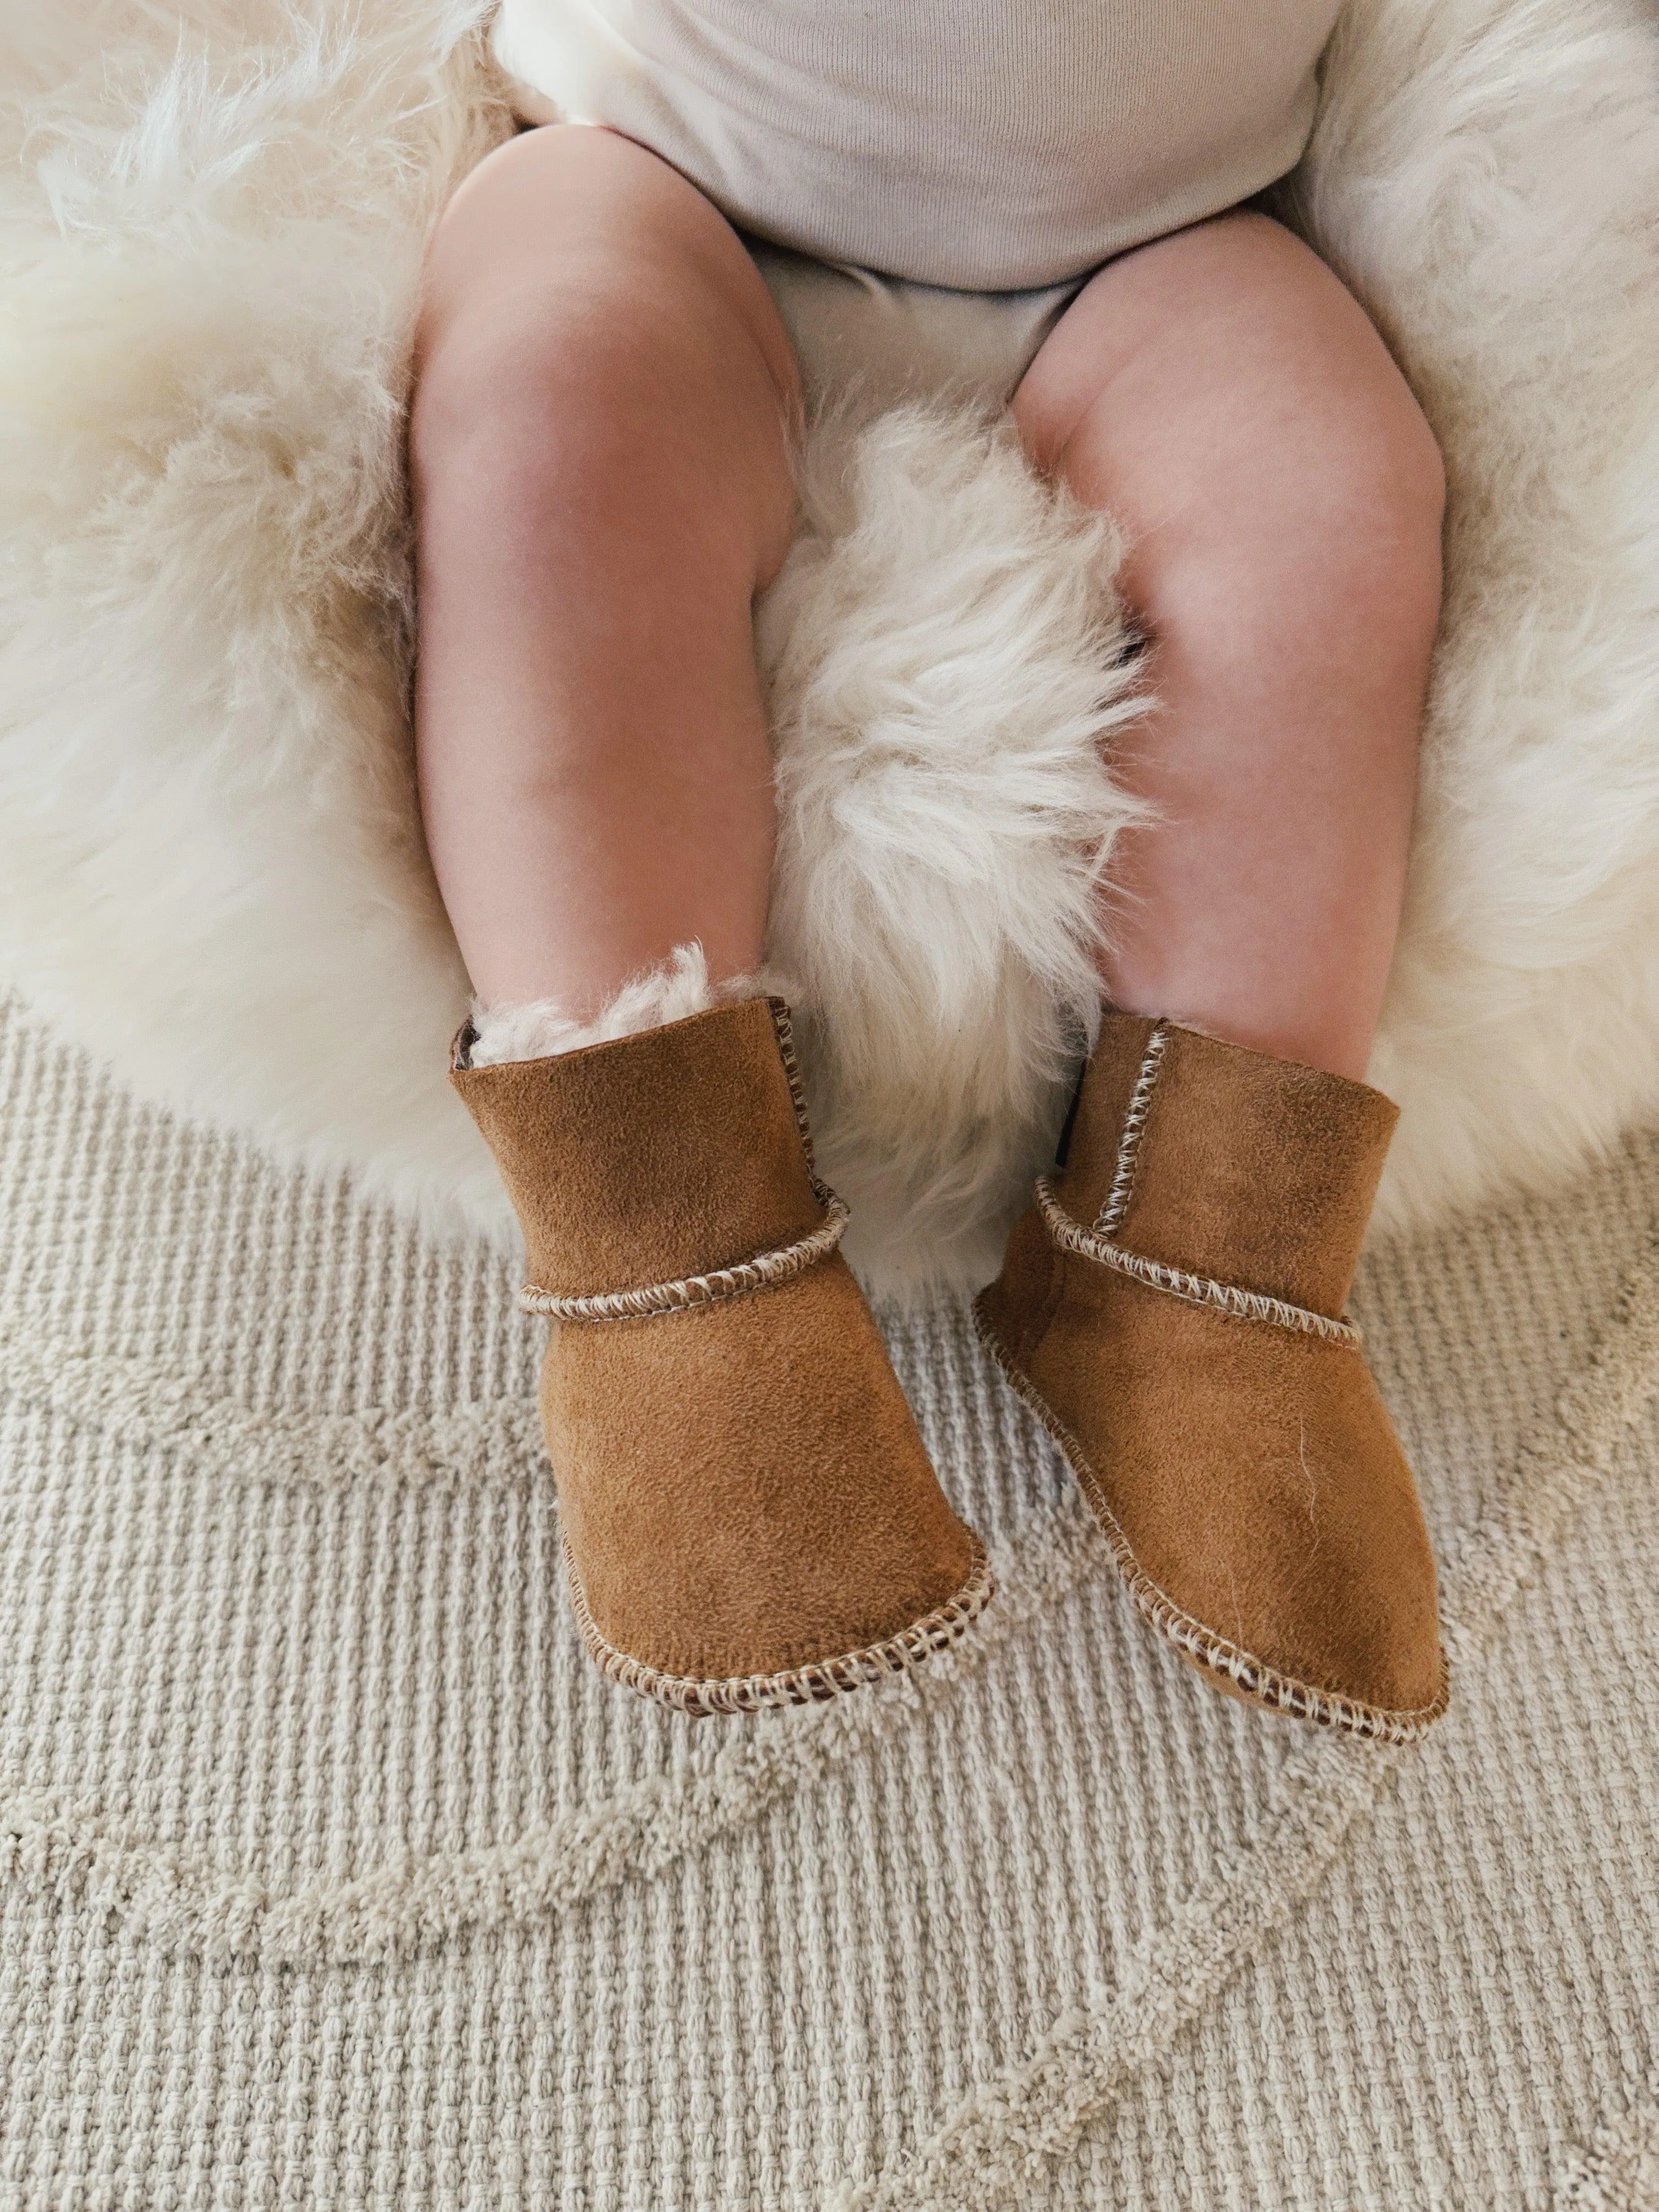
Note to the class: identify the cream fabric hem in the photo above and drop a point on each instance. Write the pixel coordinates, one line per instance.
(866, 343)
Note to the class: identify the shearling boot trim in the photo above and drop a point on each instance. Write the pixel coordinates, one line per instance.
(538, 1028)
(822, 1678)
(1237, 1670)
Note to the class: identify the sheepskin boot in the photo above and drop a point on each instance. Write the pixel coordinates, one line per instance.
(1171, 1308)
(749, 1515)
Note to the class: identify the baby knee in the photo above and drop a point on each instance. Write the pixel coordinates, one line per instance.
(1402, 500)
(585, 407)
(1339, 519)
(568, 355)
(1405, 475)
(588, 387)
(484, 406)
(1356, 513)
(593, 357)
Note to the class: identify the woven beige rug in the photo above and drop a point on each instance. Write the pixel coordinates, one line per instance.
(331, 1873)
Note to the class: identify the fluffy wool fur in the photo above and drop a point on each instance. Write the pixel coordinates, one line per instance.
(538, 1029)
(1485, 175)
(946, 664)
(210, 865)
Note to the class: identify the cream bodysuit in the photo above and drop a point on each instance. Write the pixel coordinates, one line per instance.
(982, 146)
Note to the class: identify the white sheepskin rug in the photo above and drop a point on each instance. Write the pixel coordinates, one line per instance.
(211, 219)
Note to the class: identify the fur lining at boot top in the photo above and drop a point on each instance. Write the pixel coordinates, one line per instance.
(211, 249)
(536, 1029)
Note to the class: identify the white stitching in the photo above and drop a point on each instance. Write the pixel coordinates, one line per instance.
(691, 1292)
(1197, 1290)
(783, 1028)
(1135, 1120)
(1257, 1681)
(795, 1685)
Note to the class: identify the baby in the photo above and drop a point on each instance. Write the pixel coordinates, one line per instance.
(1040, 202)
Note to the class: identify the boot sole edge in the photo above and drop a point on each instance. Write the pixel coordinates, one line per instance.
(1225, 1666)
(812, 1683)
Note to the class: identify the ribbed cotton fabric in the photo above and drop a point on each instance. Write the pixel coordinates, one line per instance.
(993, 145)
(331, 1873)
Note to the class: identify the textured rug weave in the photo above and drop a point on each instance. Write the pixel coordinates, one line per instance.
(331, 1873)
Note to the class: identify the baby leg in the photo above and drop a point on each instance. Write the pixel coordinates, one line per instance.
(599, 445)
(600, 448)
(1227, 399)
(1175, 1301)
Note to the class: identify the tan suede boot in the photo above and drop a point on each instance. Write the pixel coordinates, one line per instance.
(749, 1515)
(1172, 1309)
